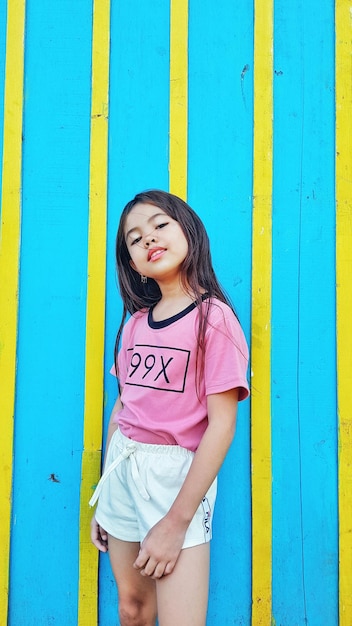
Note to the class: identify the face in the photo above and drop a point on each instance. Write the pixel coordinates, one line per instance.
(155, 242)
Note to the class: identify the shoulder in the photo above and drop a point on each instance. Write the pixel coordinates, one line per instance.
(135, 320)
(137, 316)
(223, 321)
(219, 312)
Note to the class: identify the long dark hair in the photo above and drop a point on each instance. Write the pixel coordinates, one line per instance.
(197, 273)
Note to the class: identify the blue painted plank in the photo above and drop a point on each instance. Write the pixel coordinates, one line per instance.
(318, 323)
(220, 190)
(303, 347)
(51, 346)
(138, 159)
(288, 576)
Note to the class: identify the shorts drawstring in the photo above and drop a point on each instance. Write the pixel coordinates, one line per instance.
(127, 452)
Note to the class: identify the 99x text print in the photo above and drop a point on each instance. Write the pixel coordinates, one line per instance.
(157, 367)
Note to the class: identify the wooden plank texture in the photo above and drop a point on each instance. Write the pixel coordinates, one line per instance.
(261, 316)
(344, 298)
(9, 272)
(95, 319)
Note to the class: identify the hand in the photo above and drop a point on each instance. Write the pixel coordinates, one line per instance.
(160, 549)
(98, 536)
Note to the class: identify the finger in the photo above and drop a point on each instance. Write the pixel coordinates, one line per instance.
(159, 571)
(104, 546)
(141, 559)
(103, 533)
(96, 538)
(99, 544)
(149, 568)
(169, 568)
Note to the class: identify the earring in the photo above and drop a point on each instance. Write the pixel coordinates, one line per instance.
(144, 279)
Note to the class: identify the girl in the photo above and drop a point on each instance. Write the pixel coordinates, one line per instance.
(182, 369)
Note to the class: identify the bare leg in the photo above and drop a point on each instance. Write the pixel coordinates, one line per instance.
(137, 594)
(183, 595)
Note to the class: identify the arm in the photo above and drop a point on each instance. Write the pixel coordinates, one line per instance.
(97, 534)
(161, 547)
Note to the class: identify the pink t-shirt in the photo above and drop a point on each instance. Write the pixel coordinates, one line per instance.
(157, 373)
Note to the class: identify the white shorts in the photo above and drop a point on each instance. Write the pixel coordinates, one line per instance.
(138, 487)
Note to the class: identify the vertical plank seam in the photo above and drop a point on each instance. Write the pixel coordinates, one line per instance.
(178, 107)
(343, 90)
(9, 270)
(95, 311)
(261, 316)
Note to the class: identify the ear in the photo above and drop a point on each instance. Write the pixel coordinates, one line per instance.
(133, 266)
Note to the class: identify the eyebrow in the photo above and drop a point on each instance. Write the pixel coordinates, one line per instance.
(149, 220)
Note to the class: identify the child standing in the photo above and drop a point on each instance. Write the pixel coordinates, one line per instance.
(182, 369)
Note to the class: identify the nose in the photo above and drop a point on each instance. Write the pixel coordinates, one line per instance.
(148, 239)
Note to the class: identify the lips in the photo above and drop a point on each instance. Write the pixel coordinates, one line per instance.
(155, 253)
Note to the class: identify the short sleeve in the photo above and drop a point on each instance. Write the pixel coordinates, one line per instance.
(121, 362)
(226, 355)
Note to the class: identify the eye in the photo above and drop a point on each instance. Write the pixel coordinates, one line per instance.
(136, 240)
(159, 226)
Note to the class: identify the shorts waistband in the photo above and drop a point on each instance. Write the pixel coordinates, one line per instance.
(154, 448)
(129, 447)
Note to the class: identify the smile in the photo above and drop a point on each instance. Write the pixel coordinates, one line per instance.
(155, 253)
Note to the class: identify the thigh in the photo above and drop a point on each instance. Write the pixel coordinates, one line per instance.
(182, 597)
(132, 587)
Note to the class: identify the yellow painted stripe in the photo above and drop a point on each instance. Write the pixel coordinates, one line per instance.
(9, 270)
(344, 297)
(95, 320)
(261, 316)
(178, 97)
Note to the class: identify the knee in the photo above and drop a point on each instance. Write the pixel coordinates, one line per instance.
(134, 611)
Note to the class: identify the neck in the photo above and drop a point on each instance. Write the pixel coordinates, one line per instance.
(173, 289)
(174, 298)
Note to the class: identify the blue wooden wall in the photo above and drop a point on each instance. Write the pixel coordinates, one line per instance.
(44, 578)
